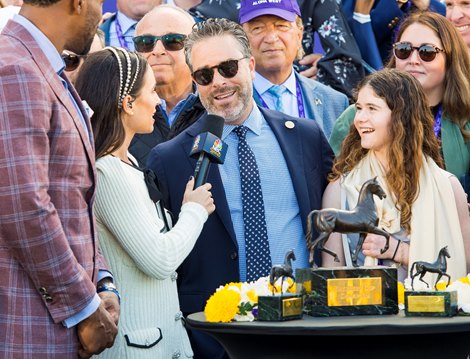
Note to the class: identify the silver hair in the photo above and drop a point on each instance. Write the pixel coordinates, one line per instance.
(212, 28)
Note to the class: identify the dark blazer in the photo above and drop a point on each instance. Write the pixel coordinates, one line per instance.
(214, 259)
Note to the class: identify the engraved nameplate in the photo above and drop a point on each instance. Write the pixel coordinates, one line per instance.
(426, 303)
(354, 291)
(291, 306)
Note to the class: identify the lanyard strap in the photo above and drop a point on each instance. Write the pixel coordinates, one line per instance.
(438, 122)
(120, 35)
(300, 100)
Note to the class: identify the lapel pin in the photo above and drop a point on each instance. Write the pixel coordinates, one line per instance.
(318, 101)
(289, 124)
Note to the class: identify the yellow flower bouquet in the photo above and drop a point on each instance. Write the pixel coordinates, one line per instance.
(239, 301)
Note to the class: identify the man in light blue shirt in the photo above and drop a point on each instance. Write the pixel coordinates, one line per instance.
(292, 158)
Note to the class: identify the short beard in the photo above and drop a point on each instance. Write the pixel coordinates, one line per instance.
(230, 114)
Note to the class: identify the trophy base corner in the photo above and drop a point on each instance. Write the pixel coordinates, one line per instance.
(275, 308)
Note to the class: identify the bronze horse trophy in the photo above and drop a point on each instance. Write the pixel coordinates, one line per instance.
(362, 219)
(439, 266)
(282, 270)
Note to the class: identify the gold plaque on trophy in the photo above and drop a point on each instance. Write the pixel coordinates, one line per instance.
(354, 291)
(292, 307)
(426, 303)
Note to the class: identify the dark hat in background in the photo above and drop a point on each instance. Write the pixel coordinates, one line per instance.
(286, 9)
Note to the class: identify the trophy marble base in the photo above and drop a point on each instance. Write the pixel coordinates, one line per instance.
(348, 291)
(275, 308)
(430, 303)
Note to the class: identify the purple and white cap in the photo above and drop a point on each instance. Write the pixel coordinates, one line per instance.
(286, 9)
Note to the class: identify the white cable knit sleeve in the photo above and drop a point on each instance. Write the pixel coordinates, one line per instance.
(121, 208)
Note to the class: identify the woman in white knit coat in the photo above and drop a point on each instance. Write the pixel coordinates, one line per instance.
(135, 237)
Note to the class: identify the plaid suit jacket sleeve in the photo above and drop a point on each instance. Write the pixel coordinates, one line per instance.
(47, 245)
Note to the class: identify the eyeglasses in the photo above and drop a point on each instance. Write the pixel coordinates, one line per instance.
(72, 61)
(171, 42)
(227, 69)
(426, 52)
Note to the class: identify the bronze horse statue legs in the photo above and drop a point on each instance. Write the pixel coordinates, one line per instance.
(360, 242)
(320, 242)
(439, 267)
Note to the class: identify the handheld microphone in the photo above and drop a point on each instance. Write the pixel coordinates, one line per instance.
(208, 147)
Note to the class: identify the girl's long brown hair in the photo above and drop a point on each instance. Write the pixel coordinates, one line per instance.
(411, 133)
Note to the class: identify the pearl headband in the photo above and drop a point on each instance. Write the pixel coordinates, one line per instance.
(125, 87)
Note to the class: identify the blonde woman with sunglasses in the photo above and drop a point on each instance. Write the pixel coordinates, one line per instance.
(430, 49)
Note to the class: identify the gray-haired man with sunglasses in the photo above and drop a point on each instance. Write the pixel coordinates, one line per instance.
(274, 174)
(160, 37)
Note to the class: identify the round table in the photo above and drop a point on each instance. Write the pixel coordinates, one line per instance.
(378, 337)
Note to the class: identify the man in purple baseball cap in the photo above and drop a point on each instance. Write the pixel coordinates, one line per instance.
(274, 29)
(286, 9)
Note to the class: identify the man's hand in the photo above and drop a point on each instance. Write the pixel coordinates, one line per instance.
(111, 304)
(96, 333)
(310, 60)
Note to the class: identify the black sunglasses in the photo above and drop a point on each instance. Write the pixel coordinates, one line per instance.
(171, 42)
(426, 52)
(71, 60)
(227, 69)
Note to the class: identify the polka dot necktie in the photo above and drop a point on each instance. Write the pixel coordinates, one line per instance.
(277, 91)
(258, 256)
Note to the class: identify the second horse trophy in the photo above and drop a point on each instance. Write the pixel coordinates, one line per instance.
(354, 290)
(280, 306)
(431, 303)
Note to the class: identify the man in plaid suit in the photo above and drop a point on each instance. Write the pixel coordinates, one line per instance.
(49, 261)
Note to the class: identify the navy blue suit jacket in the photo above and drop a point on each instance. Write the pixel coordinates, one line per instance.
(214, 259)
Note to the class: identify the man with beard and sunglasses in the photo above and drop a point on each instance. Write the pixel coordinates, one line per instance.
(160, 37)
(274, 174)
(56, 296)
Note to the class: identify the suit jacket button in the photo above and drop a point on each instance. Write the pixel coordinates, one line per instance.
(234, 255)
(178, 316)
(42, 290)
(48, 299)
